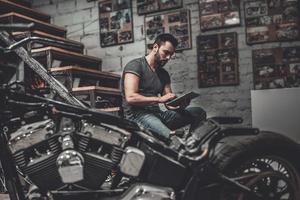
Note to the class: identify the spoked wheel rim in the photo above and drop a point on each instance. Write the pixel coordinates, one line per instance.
(270, 176)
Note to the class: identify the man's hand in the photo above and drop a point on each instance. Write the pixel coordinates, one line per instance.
(167, 97)
(182, 106)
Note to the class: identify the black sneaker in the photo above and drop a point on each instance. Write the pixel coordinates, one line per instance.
(178, 133)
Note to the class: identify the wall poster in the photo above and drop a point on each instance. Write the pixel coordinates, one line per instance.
(115, 21)
(217, 60)
(276, 67)
(271, 20)
(219, 14)
(177, 23)
(151, 6)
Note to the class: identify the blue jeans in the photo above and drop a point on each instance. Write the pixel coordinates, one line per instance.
(163, 122)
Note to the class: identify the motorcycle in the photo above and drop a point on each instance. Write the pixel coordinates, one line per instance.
(56, 150)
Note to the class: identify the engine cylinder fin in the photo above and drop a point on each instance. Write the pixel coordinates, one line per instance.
(50, 161)
(83, 143)
(54, 145)
(116, 155)
(98, 161)
(84, 140)
(21, 164)
(20, 159)
(101, 164)
(55, 150)
(49, 173)
(43, 173)
(39, 166)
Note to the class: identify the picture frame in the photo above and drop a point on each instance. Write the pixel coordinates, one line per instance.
(271, 20)
(216, 14)
(115, 22)
(152, 6)
(217, 60)
(176, 22)
(276, 68)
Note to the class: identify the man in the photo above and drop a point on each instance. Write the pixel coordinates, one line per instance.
(145, 84)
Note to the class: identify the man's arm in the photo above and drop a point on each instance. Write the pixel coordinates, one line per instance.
(131, 88)
(184, 104)
(167, 89)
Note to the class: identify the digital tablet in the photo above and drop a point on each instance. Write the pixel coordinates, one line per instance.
(179, 100)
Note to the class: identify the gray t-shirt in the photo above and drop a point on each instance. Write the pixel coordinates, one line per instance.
(151, 83)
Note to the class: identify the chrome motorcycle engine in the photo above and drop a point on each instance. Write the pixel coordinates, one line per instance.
(54, 154)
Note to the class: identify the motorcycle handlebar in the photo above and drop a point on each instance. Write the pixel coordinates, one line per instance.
(15, 27)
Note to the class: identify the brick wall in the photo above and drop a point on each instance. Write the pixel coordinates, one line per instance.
(81, 20)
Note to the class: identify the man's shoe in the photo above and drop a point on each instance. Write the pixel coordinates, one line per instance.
(178, 133)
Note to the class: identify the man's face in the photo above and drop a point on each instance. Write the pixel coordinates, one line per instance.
(164, 53)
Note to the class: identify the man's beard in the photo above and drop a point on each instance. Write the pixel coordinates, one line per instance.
(160, 63)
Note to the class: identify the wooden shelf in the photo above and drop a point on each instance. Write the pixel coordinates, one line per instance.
(13, 17)
(96, 89)
(54, 53)
(86, 71)
(8, 6)
(81, 76)
(112, 96)
(72, 45)
(22, 2)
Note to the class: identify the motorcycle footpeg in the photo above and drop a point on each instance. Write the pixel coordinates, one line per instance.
(176, 142)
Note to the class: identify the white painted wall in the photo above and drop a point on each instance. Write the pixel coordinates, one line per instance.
(277, 110)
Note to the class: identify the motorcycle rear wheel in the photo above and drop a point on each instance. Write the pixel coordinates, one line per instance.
(264, 163)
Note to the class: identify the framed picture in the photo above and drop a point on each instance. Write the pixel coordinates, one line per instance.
(217, 60)
(177, 23)
(271, 20)
(115, 22)
(151, 6)
(276, 68)
(219, 14)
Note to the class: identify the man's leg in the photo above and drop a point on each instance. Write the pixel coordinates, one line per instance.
(177, 119)
(198, 114)
(151, 122)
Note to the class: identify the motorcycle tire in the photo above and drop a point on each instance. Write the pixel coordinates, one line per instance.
(269, 156)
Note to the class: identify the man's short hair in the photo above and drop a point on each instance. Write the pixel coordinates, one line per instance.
(162, 38)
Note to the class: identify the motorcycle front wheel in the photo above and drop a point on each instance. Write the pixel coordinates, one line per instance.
(265, 163)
